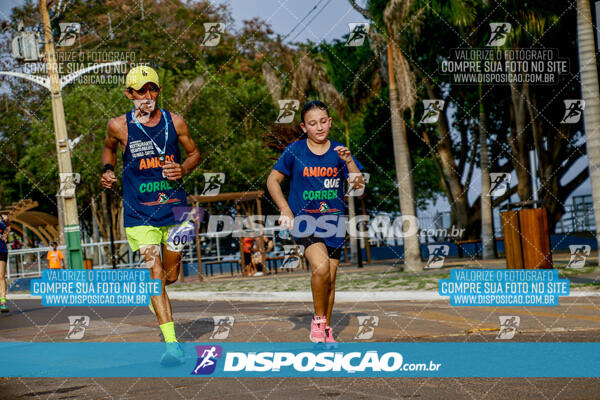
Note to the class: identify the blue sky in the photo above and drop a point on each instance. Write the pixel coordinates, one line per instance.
(6, 6)
(328, 21)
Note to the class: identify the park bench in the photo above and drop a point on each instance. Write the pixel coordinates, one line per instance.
(477, 242)
(210, 265)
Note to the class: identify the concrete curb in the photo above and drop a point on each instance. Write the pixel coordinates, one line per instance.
(340, 297)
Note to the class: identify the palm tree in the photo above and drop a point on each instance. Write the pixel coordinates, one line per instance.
(402, 94)
(487, 229)
(589, 93)
(412, 247)
(487, 213)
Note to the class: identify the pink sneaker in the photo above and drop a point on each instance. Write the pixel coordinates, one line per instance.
(329, 335)
(317, 329)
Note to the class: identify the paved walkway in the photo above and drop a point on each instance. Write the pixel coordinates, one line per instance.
(300, 388)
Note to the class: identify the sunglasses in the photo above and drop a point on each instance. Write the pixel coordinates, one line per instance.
(143, 90)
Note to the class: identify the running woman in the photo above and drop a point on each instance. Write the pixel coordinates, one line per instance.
(4, 230)
(152, 187)
(315, 166)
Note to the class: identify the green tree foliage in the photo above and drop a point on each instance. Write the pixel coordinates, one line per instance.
(356, 74)
(227, 106)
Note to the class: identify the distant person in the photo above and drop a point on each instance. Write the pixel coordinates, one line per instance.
(247, 244)
(4, 230)
(257, 255)
(16, 244)
(55, 258)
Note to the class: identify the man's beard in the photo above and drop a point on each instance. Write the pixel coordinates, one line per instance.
(143, 109)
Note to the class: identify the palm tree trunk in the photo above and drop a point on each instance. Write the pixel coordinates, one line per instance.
(353, 257)
(487, 230)
(519, 142)
(412, 247)
(589, 93)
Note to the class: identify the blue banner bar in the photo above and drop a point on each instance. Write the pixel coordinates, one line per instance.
(501, 287)
(221, 359)
(123, 287)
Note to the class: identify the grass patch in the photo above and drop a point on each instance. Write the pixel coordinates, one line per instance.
(564, 272)
(346, 281)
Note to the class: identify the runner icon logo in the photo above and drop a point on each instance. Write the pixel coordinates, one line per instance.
(356, 186)
(358, 33)
(212, 34)
(291, 256)
(207, 359)
(77, 326)
(223, 325)
(323, 207)
(212, 183)
(579, 253)
(162, 198)
(437, 255)
(287, 111)
(431, 111)
(68, 33)
(508, 326)
(68, 181)
(499, 182)
(184, 214)
(499, 33)
(573, 111)
(366, 327)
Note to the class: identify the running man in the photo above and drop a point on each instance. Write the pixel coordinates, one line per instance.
(4, 230)
(152, 187)
(315, 166)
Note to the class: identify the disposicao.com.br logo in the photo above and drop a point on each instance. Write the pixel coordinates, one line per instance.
(322, 362)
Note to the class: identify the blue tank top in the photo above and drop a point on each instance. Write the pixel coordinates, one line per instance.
(148, 198)
(3, 226)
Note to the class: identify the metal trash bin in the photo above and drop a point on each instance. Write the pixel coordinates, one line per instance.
(526, 236)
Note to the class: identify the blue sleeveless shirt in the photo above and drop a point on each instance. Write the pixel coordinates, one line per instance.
(3, 226)
(148, 198)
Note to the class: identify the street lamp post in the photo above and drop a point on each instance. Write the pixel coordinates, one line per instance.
(63, 149)
(67, 202)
